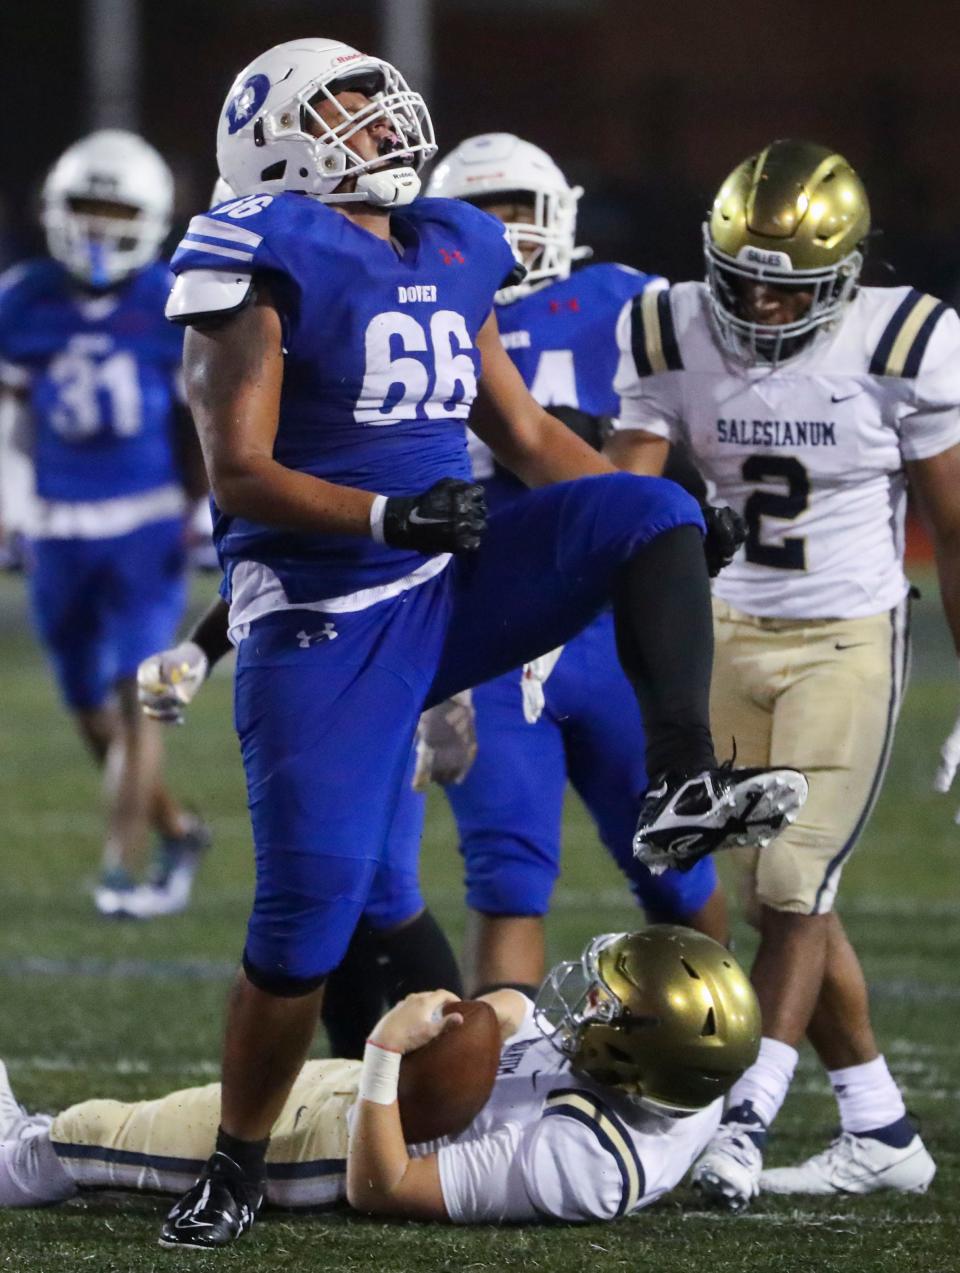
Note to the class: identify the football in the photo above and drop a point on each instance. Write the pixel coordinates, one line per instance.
(445, 1084)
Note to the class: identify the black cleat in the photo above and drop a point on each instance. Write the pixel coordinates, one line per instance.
(685, 817)
(217, 1210)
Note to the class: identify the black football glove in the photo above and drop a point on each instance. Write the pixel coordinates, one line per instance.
(726, 531)
(450, 517)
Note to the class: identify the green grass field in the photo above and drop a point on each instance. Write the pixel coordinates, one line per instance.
(89, 1007)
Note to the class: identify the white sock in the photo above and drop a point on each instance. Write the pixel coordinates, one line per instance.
(867, 1096)
(766, 1082)
(31, 1174)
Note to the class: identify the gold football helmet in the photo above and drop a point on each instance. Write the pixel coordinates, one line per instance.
(665, 1016)
(795, 215)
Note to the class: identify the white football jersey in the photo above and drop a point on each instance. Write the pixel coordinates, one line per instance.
(551, 1144)
(811, 452)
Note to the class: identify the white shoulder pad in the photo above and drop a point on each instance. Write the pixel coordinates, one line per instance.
(207, 292)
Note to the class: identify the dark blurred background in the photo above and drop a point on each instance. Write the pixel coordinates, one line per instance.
(648, 106)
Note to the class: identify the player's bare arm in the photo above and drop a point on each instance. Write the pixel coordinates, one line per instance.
(935, 483)
(190, 457)
(636, 451)
(382, 1178)
(524, 437)
(234, 376)
(510, 1007)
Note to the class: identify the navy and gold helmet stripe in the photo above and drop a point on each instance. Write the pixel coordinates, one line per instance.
(654, 339)
(906, 336)
(586, 1108)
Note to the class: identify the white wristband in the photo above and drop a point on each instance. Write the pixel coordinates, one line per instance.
(380, 1074)
(378, 511)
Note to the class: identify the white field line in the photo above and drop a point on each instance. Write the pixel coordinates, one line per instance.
(217, 970)
(89, 822)
(813, 1219)
(123, 1065)
(60, 822)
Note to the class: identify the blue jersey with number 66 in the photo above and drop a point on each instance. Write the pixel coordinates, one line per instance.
(99, 371)
(380, 364)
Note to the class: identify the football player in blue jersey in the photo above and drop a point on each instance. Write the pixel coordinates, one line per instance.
(337, 332)
(95, 368)
(582, 723)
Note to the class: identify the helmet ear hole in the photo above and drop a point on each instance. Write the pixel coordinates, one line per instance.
(275, 171)
(710, 1025)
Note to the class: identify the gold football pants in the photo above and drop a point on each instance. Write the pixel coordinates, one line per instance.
(821, 696)
(161, 1145)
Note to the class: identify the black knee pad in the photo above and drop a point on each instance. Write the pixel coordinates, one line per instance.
(280, 985)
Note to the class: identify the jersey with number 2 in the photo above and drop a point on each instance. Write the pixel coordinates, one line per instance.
(811, 452)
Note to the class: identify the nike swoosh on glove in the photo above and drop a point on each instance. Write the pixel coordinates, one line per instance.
(449, 517)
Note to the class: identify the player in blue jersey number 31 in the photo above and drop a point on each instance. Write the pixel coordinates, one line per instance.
(338, 327)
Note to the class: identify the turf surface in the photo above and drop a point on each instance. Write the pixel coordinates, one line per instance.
(89, 1007)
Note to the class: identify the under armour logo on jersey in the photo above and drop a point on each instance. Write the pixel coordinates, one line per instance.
(306, 639)
(246, 102)
(449, 257)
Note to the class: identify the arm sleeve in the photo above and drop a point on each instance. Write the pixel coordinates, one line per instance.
(931, 422)
(646, 402)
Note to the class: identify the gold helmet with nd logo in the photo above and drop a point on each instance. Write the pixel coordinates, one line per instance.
(784, 248)
(665, 1016)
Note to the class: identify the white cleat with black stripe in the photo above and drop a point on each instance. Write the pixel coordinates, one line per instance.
(685, 817)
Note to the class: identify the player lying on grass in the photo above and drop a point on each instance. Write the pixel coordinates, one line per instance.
(606, 1091)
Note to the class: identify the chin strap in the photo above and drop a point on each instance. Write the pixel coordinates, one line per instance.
(393, 188)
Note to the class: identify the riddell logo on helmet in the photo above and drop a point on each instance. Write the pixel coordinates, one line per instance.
(348, 57)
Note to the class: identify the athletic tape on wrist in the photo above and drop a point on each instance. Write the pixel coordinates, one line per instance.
(378, 511)
(380, 1074)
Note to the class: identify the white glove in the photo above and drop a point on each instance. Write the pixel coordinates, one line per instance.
(446, 742)
(168, 681)
(532, 681)
(949, 760)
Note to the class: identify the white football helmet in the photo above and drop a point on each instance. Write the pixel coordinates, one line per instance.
(270, 138)
(494, 166)
(113, 167)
